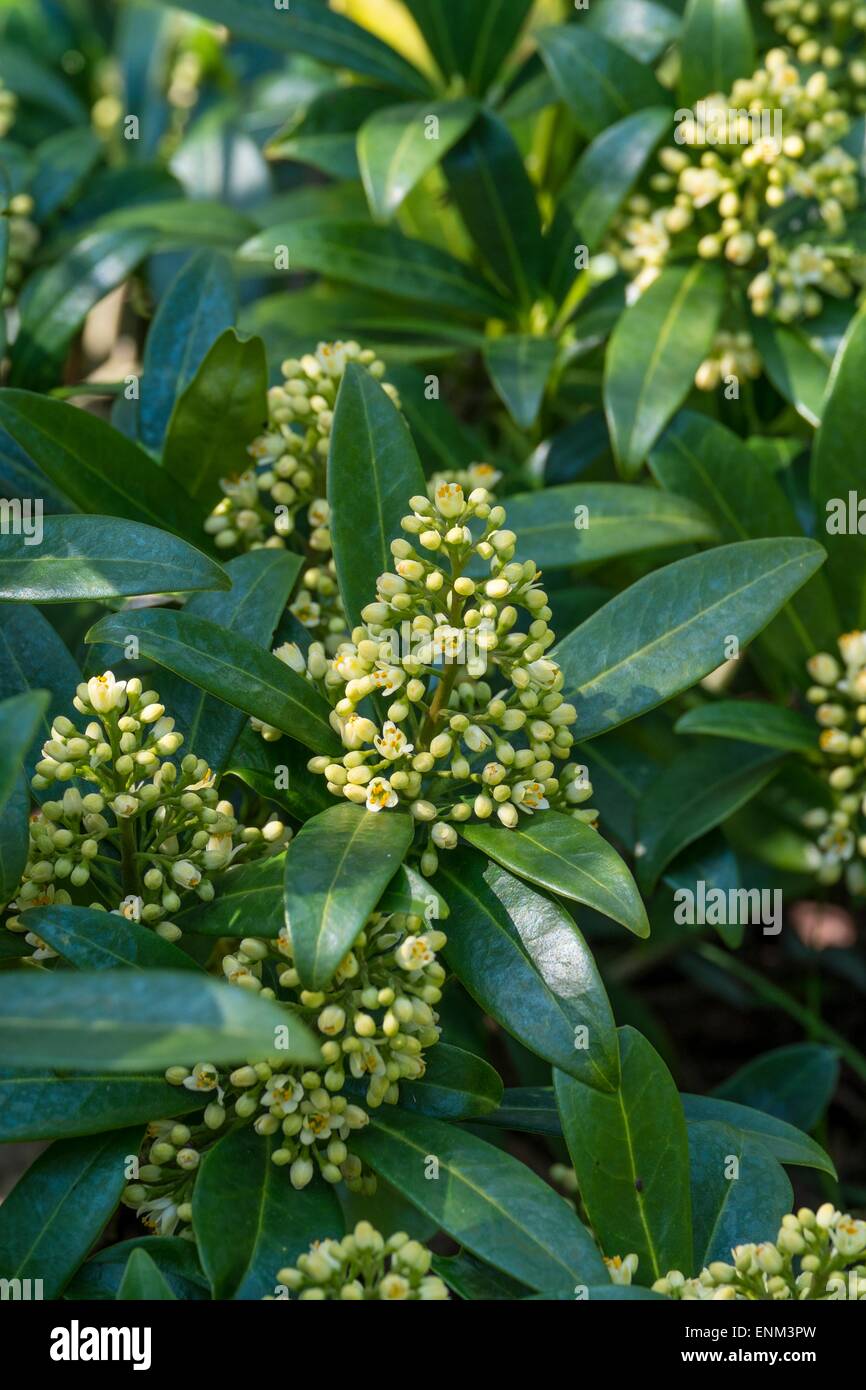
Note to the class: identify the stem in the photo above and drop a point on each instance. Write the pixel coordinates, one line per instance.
(128, 868)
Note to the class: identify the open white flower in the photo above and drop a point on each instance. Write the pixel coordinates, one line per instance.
(105, 693)
(380, 795)
(130, 908)
(529, 796)
(283, 1095)
(392, 743)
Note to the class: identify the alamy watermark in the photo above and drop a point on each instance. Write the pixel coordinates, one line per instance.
(708, 124)
(719, 907)
(22, 517)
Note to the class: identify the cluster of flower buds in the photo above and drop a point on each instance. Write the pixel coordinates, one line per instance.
(153, 834)
(363, 1265)
(816, 1255)
(774, 138)
(377, 1018)
(732, 355)
(261, 508)
(830, 34)
(476, 721)
(839, 693)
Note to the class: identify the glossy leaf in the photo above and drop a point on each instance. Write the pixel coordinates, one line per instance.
(143, 1281)
(585, 523)
(249, 903)
(472, 39)
(667, 632)
(733, 1205)
(836, 474)
(527, 1109)
(174, 1257)
(608, 169)
(271, 1223)
(337, 868)
(630, 1154)
(487, 1200)
(226, 665)
(795, 1083)
(653, 354)
(568, 857)
(519, 368)
(58, 1209)
(21, 717)
(373, 470)
(94, 940)
(44, 1103)
(396, 148)
(456, 1085)
(277, 770)
(696, 792)
(100, 557)
(195, 309)
(526, 964)
(798, 368)
(752, 721)
(96, 467)
(33, 657)
(599, 81)
(376, 259)
(787, 1144)
(218, 415)
(123, 1021)
(716, 45)
(643, 28)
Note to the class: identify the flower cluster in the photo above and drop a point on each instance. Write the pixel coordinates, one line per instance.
(288, 478)
(839, 694)
(745, 155)
(829, 33)
(732, 355)
(152, 834)
(361, 1266)
(815, 1256)
(476, 721)
(377, 1017)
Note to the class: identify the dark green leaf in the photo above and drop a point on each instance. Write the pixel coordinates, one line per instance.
(599, 81)
(654, 351)
(373, 470)
(142, 1280)
(798, 368)
(473, 38)
(716, 47)
(519, 368)
(568, 857)
(271, 1223)
(484, 1198)
(337, 868)
(174, 1257)
(787, 1144)
(752, 721)
(795, 1083)
(21, 717)
(630, 1154)
(642, 27)
(526, 964)
(277, 770)
(249, 903)
(63, 162)
(472, 1279)
(149, 1020)
(94, 940)
(608, 170)
(529, 1110)
(228, 666)
(32, 656)
(739, 1192)
(396, 148)
(456, 1085)
(52, 1104)
(668, 631)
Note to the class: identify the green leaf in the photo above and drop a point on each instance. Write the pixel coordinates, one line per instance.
(716, 46)
(641, 27)
(607, 171)
(271, 1223)
(668, 631)
(174, 1257)
(56, 1104)
(59, 1208)
(373, 470)
(226, 665)
(585, 523)
(96, 467)
(795, 1083)
(488, 1201)
(526, 964)
(527, 1109)
(456, 1085)
(277, 770)
(29, 647)
(99, 557)
(568, 857)
(376, 259)
(63, 162)
(630, 1154)
(493, 193)
(62, 297)
(197, 306)
(312, 28)
(519, 368)
(249, 902)
(472, 1279)
(733, 1206)
(473, 38)
(797, 367)
(218, 415)
(786, 1143)
(694, 794)
(337, 868)
(654, 351)
(261, 583)
(21, 717)
(599, 81)
(93, 940)
(701, 459)
(752, 721)
(142, 1280)
(122, 1021)
(173, 224)
(396, 150)
(836, 473)
(410, 892)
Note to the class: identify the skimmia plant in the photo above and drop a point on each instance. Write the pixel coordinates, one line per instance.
(433, 649)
